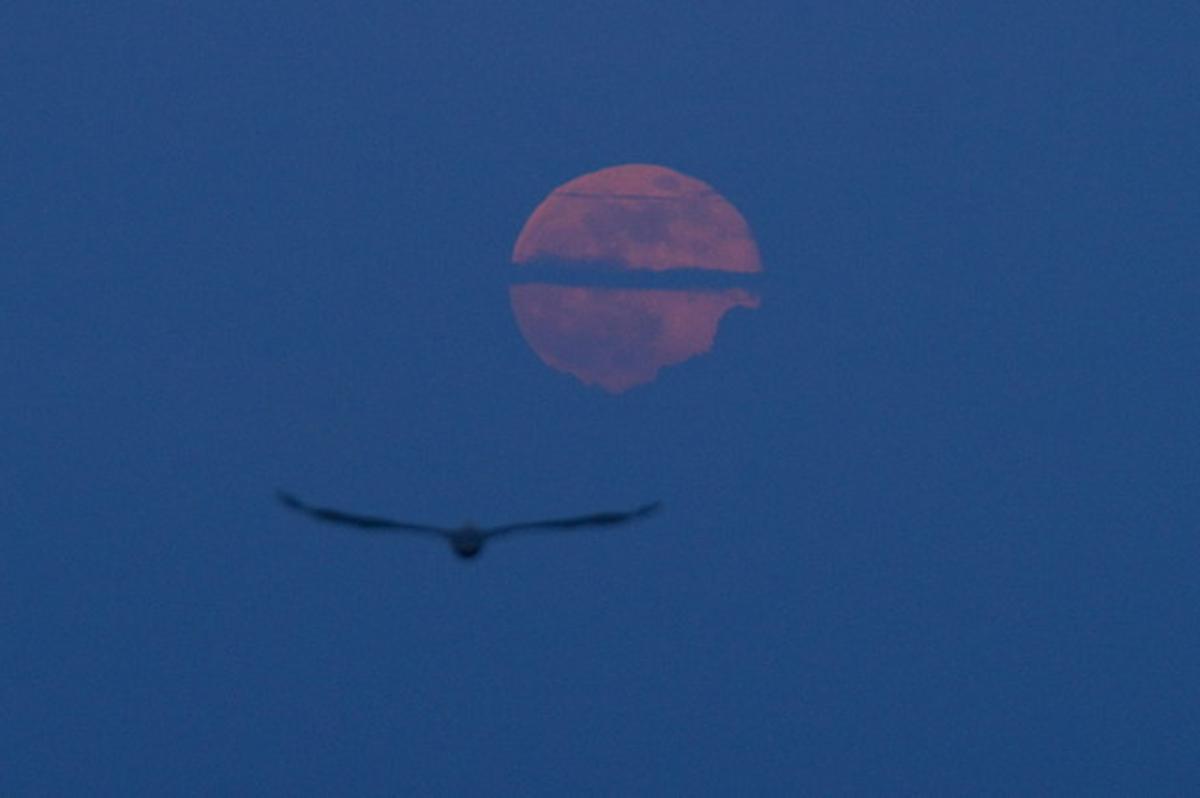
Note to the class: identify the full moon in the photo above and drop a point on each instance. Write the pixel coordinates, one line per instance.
(631, 219)
(639, 216)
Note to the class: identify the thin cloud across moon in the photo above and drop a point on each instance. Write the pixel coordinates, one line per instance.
(636, 221)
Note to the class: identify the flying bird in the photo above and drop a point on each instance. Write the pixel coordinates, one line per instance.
(468, 539)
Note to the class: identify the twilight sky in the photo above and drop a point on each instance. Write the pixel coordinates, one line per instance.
(930, 510)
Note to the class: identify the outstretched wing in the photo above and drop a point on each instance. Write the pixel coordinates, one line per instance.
(595, 519)
(365, 522)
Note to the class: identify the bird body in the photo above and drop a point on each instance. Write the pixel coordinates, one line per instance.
(468, 540)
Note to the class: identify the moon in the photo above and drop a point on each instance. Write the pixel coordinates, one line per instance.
(640, 221)
(639, 216)
(620, 338)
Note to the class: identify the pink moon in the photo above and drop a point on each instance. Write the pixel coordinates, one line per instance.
(631, 218)
(640, 217)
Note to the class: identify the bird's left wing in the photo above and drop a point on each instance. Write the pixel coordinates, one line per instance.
(595, 519)
(367, 522)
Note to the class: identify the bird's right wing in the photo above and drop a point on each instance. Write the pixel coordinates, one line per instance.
(364, 522)
(595, 519)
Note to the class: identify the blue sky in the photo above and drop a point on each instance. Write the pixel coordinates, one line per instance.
(930, 512)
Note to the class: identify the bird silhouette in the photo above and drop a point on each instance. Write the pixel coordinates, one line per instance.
(467, 540)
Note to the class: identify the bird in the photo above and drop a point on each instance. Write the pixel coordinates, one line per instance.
(466, 541)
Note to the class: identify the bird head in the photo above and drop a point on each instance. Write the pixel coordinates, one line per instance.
(468, 545)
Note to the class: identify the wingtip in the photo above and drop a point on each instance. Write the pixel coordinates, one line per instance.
(286, 498)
